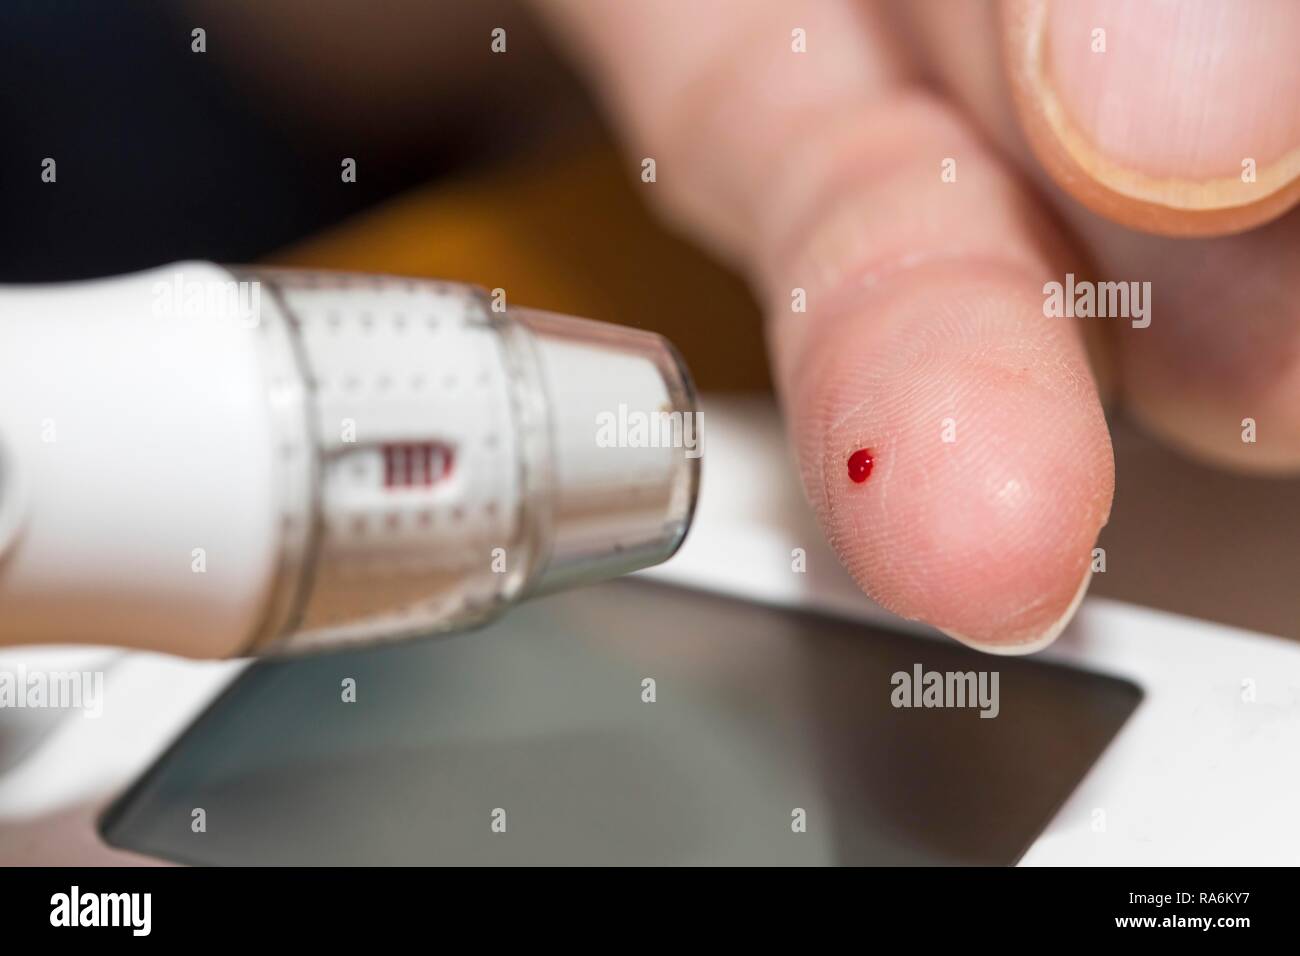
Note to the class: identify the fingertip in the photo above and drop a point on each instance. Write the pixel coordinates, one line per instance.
(1036, 643)
(991, 470)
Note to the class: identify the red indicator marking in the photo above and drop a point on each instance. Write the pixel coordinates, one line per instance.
(860, 463)
(415, 465)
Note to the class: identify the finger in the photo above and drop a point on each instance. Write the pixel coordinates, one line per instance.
(1216, 373)
(924, 338)
(1177, 118)
(1201, 89)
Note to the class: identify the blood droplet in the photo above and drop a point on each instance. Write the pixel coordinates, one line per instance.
(860, 463)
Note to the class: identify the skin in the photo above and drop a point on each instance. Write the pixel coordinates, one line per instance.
(821, 171)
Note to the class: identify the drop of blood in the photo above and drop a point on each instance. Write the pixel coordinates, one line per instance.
(860, 463)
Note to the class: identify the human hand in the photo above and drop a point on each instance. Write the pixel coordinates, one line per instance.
(915, 177)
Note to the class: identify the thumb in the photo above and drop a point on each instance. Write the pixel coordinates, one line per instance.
(1180, 118)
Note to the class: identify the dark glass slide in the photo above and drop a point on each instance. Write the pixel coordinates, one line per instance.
(629, 723)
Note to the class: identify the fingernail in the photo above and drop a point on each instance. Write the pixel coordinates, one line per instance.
(1037, 642)
(1187, 104)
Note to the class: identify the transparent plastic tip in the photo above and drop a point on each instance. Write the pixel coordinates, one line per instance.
(442, 458)
(625, 448)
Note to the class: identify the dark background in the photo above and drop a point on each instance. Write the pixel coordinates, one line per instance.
(165, 154)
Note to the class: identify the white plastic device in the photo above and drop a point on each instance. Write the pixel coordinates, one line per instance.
(218, 461)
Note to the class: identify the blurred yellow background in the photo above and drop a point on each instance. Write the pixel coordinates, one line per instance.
(564, 231)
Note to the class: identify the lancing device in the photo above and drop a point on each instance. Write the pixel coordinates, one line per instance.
(214, 461)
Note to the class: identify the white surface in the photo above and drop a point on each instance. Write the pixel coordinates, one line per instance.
(1197, 775)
